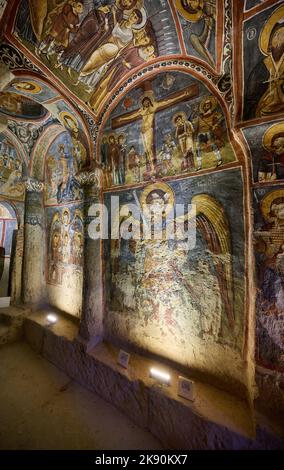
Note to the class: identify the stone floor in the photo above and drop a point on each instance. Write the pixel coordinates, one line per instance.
(41, 408)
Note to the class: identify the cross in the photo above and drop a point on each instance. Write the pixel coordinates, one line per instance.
(147, 112)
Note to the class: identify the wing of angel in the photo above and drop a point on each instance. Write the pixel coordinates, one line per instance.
(213, 224)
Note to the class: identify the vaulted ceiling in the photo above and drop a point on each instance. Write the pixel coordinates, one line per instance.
(78, 58)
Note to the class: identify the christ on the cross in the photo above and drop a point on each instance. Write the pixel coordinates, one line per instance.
(147, 111)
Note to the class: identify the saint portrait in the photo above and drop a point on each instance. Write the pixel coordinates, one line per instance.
(200, 12)
(27, 87)
(271, 166)
(269, 246)
(265, 82)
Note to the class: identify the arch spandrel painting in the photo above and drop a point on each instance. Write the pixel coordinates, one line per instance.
(198, 20)
(11, 167)
(170, 298)
(103, 42)
(269, 251)
(171, 125)
(264, 64)
(266, 144)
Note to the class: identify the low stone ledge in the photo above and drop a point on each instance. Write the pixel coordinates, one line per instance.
(215, 420)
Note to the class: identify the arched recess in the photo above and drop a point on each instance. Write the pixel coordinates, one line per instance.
(11, 228)
(228, 187)
(14, 169)
(37, 161)
(18, 146)
(50, 97)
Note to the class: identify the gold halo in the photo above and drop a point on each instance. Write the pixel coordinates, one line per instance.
(210, 98)
(181, 113)
(193, 17)
(264, 36)
(69, 216)
(155, 187)
(139, 4)
(267, 201)
(65, 114)
(37, 88)
(270, 133)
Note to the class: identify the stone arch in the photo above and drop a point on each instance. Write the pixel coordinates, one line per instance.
(49, 102)
(193, 68)
(37, 161)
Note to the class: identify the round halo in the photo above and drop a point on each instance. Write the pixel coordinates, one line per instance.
(212, 100)
(19, 86)
(193, 16)
(270, 133)
(268, 200)
(165, 188)
(143, 22)
(182, 114)
(65, 114)
(264, 36)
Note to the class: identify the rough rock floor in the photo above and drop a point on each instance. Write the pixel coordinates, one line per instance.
(41, 408)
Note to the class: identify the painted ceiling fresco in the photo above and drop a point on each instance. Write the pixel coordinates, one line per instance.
(198, 21)
(32, 132)
(92, 45)
(154, 286)
(264, 64)
(103, 83)
(32, 88)
(170, 125)
(21, 107)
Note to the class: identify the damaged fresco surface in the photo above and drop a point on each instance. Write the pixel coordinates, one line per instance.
(11, 168)
(65, 257)
(269, 250)
(102, 43)
(168, 300)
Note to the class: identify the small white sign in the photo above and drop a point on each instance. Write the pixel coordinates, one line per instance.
(186, 388)
(123, 359)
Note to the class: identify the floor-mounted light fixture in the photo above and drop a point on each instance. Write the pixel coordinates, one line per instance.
(51, 319)
(160, 376)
